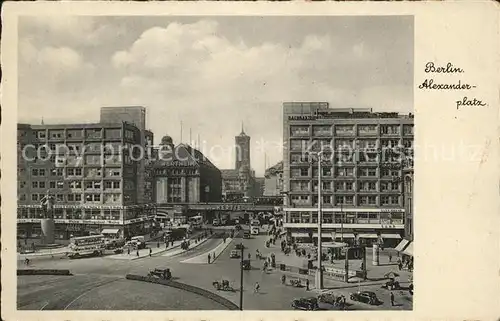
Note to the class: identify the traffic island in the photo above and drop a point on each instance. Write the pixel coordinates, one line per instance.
(214, 254)
(186, 287)
(42, 272)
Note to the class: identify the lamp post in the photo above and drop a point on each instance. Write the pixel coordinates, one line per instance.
(319, 272)
(341, 222)
(241, 277)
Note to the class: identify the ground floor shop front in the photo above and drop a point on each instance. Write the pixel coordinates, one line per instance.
(64, 230)
(350, 236)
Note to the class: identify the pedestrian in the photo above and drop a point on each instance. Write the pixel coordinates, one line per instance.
(27, 261)
(158, 244)
(256, 288)
(137, 252)
(150, 252)
(249, 256)
(283, 279)
(208, 258)
(213, 257)
(390, 257)
(307, 284)
(128, 250)
(392, 299)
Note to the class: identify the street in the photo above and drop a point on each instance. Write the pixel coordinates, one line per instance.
(99, 283)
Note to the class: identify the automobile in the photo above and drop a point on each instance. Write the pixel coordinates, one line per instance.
(237, 227)
(246, 234)
(215, 222)
(234, 254)
(307, 304)
(365, 297)
(391, 285)
(239, 246)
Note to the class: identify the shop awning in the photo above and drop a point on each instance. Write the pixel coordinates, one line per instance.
(323, 234)
(346, 235)
(297, 234)
(367, 236)
(402, 245)
(408, 250)
(391, 236)
(110, 231)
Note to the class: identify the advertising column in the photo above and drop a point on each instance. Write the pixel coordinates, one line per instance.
(376, 255)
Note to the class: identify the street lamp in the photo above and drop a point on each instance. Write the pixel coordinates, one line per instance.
(319, 272)
(241, 277)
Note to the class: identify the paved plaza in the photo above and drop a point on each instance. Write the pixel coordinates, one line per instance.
(96, 282)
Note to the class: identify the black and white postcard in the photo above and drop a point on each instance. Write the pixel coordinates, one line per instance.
(203, 160)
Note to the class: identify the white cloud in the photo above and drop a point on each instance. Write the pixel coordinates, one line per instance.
(192, 72)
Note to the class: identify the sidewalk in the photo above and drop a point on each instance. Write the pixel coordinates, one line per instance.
(203, 258)
(374, 273)
(44, 252)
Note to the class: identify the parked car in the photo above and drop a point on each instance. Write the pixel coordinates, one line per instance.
(307, 304)
(365, 297)
(234, 254)
(239, 246)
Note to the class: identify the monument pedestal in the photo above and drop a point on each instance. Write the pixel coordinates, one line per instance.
(48, 229)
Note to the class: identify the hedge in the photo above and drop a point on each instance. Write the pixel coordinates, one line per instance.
(43, 272)
(214, 297)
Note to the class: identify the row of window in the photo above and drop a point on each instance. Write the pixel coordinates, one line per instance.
(108, 198)
(92, 133)
(346, 200)
(351, 144)
(77, 171)
(296, 186)
(371, 129)
(344, 172)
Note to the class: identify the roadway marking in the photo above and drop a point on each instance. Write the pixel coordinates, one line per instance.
(87, 292)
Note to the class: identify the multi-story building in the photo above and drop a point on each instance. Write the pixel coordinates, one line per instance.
(239, 183)
(273, 185)
(91, 169)
(406, 245)
(361, 157)
(183, 175)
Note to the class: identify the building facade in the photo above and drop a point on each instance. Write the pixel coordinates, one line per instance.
(406, 245)
(361, 156)
(273, 184)
(185, 176)
(240, 182)
(91, 171)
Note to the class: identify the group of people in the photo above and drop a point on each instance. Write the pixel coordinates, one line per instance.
(406, 263)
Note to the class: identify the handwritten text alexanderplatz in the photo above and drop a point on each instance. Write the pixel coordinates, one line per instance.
(450, 69)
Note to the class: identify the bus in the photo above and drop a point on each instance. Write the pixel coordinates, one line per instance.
(196, 222)
(85, 246)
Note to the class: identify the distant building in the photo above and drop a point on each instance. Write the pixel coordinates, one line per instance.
(92, 172)
(362, 188)
(273, 185)
(184, 175)
(240, 182)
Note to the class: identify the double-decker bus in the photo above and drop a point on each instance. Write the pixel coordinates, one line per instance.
(196, 222)
(85, 246)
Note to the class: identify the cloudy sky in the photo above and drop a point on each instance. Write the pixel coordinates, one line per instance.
(212, 73)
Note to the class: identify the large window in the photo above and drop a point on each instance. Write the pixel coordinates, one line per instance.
(299, 130)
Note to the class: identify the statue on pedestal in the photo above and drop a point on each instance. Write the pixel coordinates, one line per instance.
(47, 222)
(48, 205)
